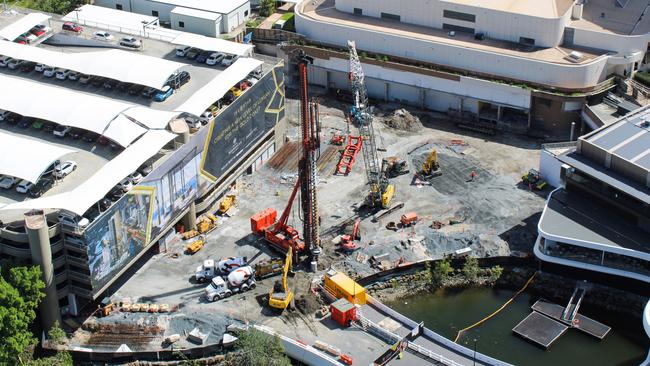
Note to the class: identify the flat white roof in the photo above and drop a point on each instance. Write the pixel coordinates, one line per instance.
(194, 13)
(151, 118)
(219, 86)
(27, 158)
(115, 64)
(22, 25)
(215, 6)
(536, 8)
(99, 14)
(92, 190)
(68, 107)
(213, 44)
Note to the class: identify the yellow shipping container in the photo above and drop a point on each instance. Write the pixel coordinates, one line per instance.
(342, 286)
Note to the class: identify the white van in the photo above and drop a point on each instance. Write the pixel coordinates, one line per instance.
(181, 51)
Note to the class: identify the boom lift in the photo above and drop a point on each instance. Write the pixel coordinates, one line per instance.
(280, 296)
(279, 234)
(381, 191)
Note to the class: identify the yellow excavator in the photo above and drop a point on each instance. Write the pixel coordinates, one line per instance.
(281, 296)
(430, 167)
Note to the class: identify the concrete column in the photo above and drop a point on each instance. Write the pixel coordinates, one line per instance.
(327, 80)
(386, 92)
(460, 107)
(423, 96)
(499, 113)
(39, 244)
(189, 220)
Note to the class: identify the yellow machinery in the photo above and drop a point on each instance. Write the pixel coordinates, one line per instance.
(280, 296)
(226, 203)
(195, 246)
(430, 167)
(207, 223)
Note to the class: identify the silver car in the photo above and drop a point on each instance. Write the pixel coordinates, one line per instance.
(130, 42)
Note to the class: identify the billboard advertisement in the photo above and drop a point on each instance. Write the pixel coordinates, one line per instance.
(243, 123)
(174, 191)
(119, 234)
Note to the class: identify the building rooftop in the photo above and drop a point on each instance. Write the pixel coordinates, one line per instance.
(215, 6)
(201, 14)
(537, 8)
(609, 16)
(569, 215)
(324, 11)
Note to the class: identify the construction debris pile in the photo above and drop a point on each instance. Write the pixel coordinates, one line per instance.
(403, 120)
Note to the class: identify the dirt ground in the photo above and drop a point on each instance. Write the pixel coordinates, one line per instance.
(495, 215)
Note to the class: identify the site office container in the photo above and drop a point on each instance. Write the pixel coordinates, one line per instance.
(342, 286)
(262, 220)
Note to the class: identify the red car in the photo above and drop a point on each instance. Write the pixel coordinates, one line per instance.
(73, 27)
(103, 140)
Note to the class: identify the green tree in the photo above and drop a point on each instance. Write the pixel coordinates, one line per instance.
(471, 269)
(495, 273)
(267, 7)
(441, 270)
(21, 290)
(256, 348)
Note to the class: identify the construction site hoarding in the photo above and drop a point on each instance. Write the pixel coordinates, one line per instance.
(243, 124)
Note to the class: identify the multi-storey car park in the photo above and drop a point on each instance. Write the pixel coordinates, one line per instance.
(599, 217)
(516, 65)
(142, 162)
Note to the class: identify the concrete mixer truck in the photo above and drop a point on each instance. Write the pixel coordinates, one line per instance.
(240, 280)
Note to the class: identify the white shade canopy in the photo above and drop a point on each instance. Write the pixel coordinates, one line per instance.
(22, 25)
(216, 88)
(151, 118)
(27, 158)
(95, 188)
(142, 69)
(213, 44)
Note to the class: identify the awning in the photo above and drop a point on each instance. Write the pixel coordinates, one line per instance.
(213, 44)
(143, 70)
(92, 190)
(217, 87)
(22, 25)
(68, 107)
(27, 158)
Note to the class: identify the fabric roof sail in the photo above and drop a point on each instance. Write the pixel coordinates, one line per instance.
(67, 107)
(22, 25)
(35, 156)
(143, 70)
(213, 44)
(217, 87)
(93, 189)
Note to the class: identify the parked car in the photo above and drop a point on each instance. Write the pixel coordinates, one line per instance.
(42, 27)
(27, 66)
(25, 122)
(85, 79)
(179, 79)
(37, 32)
(23, 186)
(13, 118)
(76, 133)
(103, 36)
(26, 38)
(40, 187)
(215, 58)
(135, 177)
(163, 94)
(104, 204)
(130, 42)
(136, 89)
(110, 84)
(40, 67)
(72, 27)
(229, 60)
(74, 76)
(206, 117)
(4, 115)
(62, 74)
(114, 145)
(61, 130)
(4, 60)
(38, 124)
(7, 182)
(102, 140)
(124, 87)
(97, 80)
(203, 56)
(65, 168)
(49, 126)
(145, 169)
(235, 91)
(49, 71)
(148, 91)
(193, 122)
(181, 51)
(125, 184)
(115, 194)
(90, 136)
(192, 53)
(76, 221)
(14, 64)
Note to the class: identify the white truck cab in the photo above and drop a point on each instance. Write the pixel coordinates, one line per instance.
(239, 280)
(206, 271)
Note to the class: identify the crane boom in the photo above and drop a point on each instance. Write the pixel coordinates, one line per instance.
(381, 191)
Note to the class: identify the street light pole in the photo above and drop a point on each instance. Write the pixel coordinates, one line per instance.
(474, 358)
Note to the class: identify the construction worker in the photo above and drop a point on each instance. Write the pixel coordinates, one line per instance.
(472, 176)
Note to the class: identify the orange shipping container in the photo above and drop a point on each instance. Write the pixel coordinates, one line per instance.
(262, 220)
